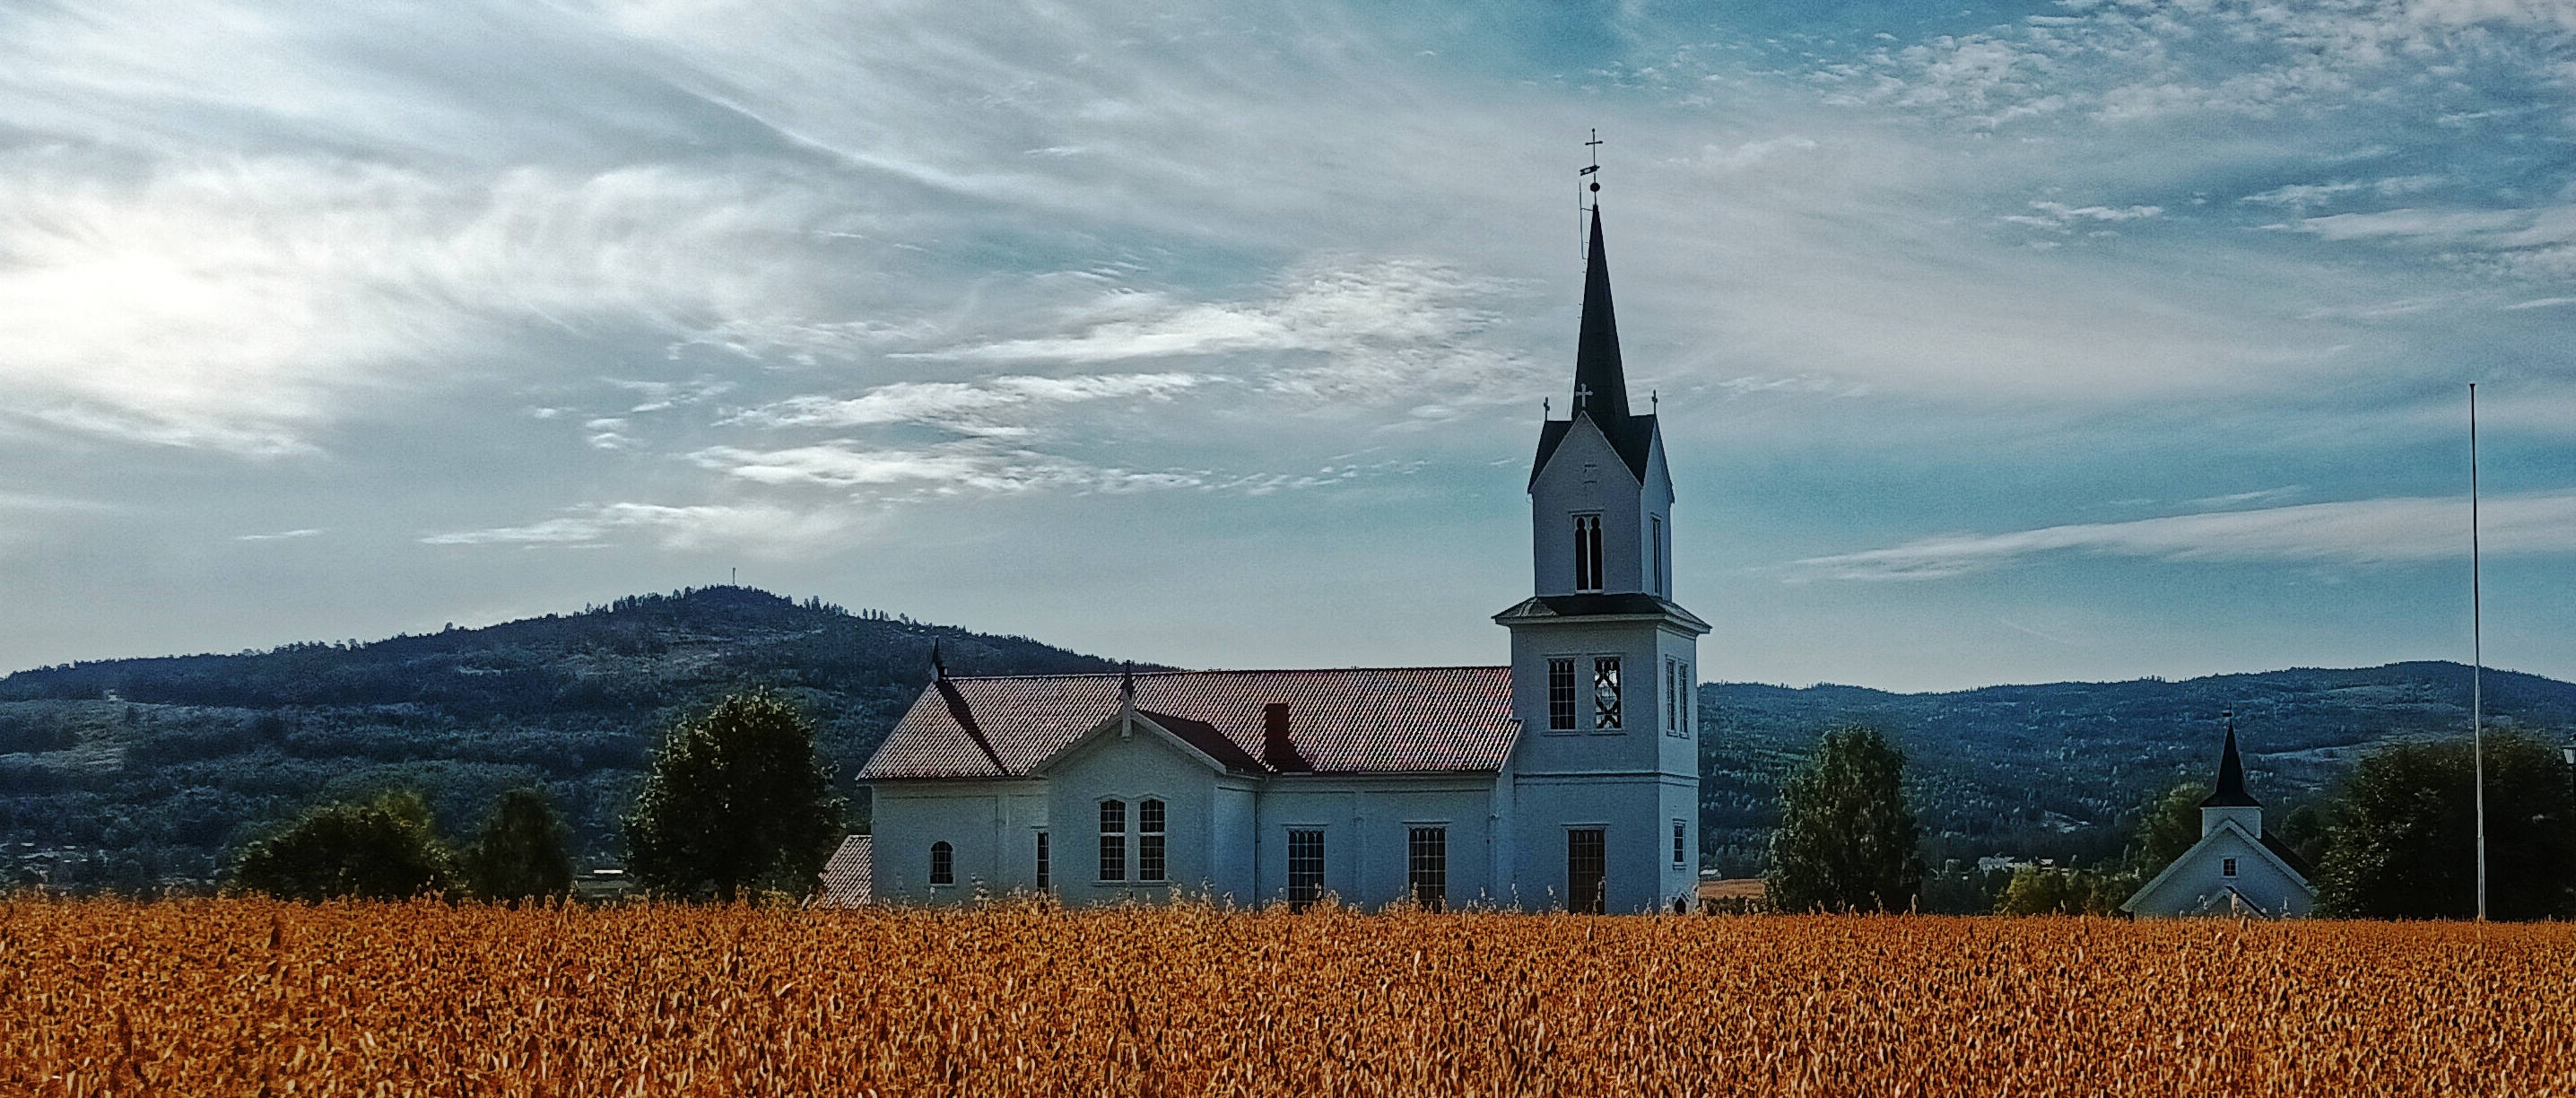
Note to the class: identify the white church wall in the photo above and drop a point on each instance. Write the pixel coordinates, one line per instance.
(1131, 768)
(985, 824)
(2198, 882)
(1367, 822)
(1635, 813)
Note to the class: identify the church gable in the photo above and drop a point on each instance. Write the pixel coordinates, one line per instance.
(2227, 862)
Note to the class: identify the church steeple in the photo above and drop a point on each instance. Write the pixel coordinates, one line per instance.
(2231, 777)
(1600, 384)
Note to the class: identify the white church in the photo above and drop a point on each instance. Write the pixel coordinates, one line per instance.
(1568, 779)
(2237, 868)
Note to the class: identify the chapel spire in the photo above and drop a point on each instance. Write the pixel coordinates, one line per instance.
(2231, 777)
(1600, 384)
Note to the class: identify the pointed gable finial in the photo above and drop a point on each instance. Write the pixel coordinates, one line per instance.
(2231, 775)
(938, 667)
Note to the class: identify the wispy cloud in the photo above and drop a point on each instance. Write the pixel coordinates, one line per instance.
(282, 535)
(1391, 302)
(763, 529)
(968, 406)
(2361, 532)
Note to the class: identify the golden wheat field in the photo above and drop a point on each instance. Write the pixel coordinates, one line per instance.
(249, 997)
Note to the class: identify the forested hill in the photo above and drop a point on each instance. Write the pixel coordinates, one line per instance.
(133, 772)
(2054, 768)
(165, 762)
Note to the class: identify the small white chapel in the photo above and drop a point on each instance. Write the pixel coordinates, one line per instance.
(1567, 779)
(2236, 868)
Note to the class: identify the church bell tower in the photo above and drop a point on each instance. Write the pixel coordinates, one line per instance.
(1605, 775)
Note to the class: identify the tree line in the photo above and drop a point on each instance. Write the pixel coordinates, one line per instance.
(735, 805)
(2395, 839)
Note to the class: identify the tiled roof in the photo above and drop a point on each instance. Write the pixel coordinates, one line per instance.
(1352, 720)
(847, 878)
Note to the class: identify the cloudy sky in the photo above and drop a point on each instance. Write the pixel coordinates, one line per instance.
(2003, 342)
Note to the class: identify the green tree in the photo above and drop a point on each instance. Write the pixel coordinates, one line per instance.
(1846, 840)
(521, 853)
(2403, 842)
(735, 803)
(2037, 891)
(382, 849)
(2168, 824)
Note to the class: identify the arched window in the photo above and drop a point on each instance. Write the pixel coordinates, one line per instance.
(943, 864)
(1149, 840)
(1113, 840)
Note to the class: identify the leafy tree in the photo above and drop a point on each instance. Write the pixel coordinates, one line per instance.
(521, 853)
(2168, 824)
(2037, 891)
(1847, 839)
(2404, 833)
(736, 802)
(381, 849)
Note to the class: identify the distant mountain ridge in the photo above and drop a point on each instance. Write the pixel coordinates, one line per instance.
(169, 760)
(165, 762)
(2032, 768)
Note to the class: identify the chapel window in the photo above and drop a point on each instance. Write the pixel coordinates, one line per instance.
(1655, 543)
(1113, 840)
(1680, 833)
(1587, 552)
(1305, 867)
(1560, 694)
(1586, 890)
(2227, 867)
(1043, 877)
(1426, 864)
(943, 864)
(1605, 692)
(1149, 840)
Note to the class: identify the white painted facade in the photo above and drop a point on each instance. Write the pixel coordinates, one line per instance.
(1586, 800)
(2233, 869)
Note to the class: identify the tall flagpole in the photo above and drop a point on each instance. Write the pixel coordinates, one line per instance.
(2477, 657)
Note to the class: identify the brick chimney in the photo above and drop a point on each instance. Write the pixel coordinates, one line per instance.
(1276, 750)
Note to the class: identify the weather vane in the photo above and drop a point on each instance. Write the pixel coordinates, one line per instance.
(1581, 243)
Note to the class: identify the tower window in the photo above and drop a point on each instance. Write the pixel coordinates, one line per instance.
(1426, 864)
(1655, 545)
(1043, 881)
(1560, 694)
(943, 864)
(1605, 692)
(1673, 694)
(1113, 840)
(1680, 834)
(1587, 552)
(1586, 890)
(1690, 690)
(1305, 868)
(1149, 840)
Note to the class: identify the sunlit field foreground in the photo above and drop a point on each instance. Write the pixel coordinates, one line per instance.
(242, 997)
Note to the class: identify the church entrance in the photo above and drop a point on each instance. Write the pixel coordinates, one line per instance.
(1585, 892)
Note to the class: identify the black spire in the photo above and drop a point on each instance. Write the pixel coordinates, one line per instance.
(2231, 777)
(1600, 385)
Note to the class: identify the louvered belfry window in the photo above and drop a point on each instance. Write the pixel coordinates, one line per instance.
(1587, 552)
